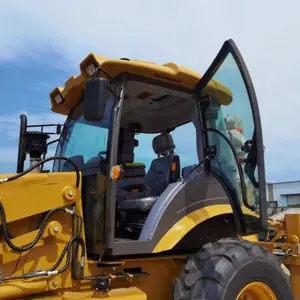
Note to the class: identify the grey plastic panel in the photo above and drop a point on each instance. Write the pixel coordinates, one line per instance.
(159, 208)
(179, 200)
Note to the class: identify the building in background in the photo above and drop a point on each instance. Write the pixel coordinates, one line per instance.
(283, 196)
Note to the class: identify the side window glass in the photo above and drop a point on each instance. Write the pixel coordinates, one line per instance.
(186, 144)
(144, 152)
(184, 138)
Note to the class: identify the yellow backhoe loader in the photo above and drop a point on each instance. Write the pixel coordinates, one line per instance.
(157, 191)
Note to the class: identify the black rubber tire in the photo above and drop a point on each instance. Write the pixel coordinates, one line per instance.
(222, 269)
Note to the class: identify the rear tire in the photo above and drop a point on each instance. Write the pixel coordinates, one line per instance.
(223, 269)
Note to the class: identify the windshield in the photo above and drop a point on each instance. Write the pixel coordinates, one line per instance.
(86, 143)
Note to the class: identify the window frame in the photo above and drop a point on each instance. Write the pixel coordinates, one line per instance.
(261, 224)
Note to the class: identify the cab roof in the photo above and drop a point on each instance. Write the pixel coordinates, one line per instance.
(63, 99)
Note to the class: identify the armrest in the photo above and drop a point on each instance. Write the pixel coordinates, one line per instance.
(141, 204)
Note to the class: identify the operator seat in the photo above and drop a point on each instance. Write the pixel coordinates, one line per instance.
(163, 170)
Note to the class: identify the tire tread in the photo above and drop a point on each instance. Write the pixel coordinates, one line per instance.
(200, 279)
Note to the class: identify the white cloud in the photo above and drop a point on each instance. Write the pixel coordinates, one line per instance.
(187, 32)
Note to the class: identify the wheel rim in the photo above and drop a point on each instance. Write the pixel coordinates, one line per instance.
(256, 291)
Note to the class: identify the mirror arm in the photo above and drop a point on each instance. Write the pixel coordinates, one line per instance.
(98, 71)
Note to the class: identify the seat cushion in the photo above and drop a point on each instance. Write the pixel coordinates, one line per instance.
(141, 204)
(132, 189)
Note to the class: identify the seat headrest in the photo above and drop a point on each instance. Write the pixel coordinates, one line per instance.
(163, 144)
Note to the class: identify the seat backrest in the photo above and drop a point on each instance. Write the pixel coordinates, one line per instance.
(166, 168)
(162, 172)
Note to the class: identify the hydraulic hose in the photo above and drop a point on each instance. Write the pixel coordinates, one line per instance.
(41, 163)
(40, 233)
(42, 225)
(67, 250)
(3, 180)
(53, 271)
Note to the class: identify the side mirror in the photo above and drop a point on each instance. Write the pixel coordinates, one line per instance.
(95, 95)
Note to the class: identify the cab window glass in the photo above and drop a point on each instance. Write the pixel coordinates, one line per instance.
(184, 138)
(235, 120)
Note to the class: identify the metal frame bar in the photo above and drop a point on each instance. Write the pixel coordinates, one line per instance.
(111, 187)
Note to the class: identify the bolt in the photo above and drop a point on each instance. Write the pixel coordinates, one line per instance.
(55, 283)
(70, 193)
(56, 229)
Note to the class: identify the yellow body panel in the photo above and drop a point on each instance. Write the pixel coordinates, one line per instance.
(168, 73)
(24, 200)
(164, 268)
(41, 192)
(131, 293)
(186, 224)
(35, 193)
(289, 230)
(250, 238)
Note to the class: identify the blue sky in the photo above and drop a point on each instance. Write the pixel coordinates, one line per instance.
(25, 83)
(42, 44)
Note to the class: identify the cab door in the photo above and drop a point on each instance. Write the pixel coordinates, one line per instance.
(232, 137)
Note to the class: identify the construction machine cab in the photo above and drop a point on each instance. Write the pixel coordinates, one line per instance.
(157, 145)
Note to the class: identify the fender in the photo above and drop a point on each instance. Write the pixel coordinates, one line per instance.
(183, 227)
(183, 206)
